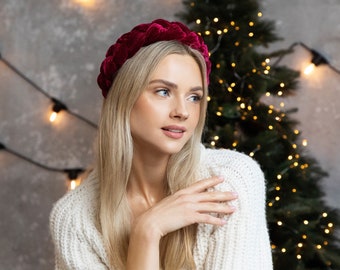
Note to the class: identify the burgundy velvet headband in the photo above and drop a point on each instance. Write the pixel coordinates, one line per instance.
(143, 35)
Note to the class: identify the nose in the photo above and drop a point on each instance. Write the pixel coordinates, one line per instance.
(179, 111)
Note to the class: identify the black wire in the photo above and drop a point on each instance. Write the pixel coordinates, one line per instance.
(312, 51)
(290, 49)
(37, 87)
(334, 69)
(42, 91)
(72, 172)
(83, 119)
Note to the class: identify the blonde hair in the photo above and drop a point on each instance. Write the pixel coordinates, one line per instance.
(115, 152)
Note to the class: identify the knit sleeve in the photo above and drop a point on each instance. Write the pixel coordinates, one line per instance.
(77, 243)
(243, 243)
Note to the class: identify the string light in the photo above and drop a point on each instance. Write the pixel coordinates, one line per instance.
(316, 60)
(73, 173)
(73, 176)
(57, 104)
(57, 107)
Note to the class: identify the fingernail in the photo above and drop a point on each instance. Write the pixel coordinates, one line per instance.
(221, 178)
(232, 207)
(235, 194)
(223, 221)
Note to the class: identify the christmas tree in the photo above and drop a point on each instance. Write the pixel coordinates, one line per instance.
(301, 225)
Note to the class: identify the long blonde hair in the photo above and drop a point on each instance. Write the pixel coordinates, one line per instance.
(115, 152)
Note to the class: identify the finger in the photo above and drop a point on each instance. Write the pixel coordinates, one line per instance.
(202, 185)
(216, 196)
(209, 219)
(218, 208)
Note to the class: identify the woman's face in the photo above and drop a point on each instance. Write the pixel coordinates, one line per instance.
(167, 112)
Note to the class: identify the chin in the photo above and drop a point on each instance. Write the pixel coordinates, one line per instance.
(173, 148)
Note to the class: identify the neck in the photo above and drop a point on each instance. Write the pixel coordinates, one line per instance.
(148, 178)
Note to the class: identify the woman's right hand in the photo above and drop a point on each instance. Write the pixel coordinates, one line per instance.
(194, 204)
(198, 203)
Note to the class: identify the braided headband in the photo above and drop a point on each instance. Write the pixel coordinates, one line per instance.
(143, 35)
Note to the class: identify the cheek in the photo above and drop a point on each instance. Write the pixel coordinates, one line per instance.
(196, 113)
(145, 112)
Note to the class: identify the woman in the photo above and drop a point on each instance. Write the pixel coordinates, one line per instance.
(157, 199)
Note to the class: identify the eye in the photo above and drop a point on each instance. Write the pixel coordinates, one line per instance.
(163, 92)
(195, 98)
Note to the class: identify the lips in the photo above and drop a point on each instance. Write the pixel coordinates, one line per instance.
(174, 132)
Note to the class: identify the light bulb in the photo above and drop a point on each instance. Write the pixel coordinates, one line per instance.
(53, 116)
(74, 179)
(73, 184)
(86, 3)
(57, 107)
(308, 70)
(317, 59)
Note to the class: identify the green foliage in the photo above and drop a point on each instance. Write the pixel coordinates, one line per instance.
(301, 225)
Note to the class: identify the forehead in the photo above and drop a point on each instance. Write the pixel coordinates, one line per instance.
(178, 67)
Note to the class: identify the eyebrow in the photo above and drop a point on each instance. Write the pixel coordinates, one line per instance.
(173, 85)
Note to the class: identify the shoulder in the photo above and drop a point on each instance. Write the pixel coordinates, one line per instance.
(214, 160)
(225, 155)
(241, 173)
(74, 215)
(78, 203)
(73, 225)
(243, 241)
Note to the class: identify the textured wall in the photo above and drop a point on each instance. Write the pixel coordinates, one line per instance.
(59, 45)
(317, 24)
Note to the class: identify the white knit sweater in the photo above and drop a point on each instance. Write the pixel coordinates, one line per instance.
(241, 244)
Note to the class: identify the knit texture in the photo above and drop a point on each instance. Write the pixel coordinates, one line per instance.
(241, 244)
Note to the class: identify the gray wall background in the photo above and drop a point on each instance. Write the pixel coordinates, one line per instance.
(60, 44)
